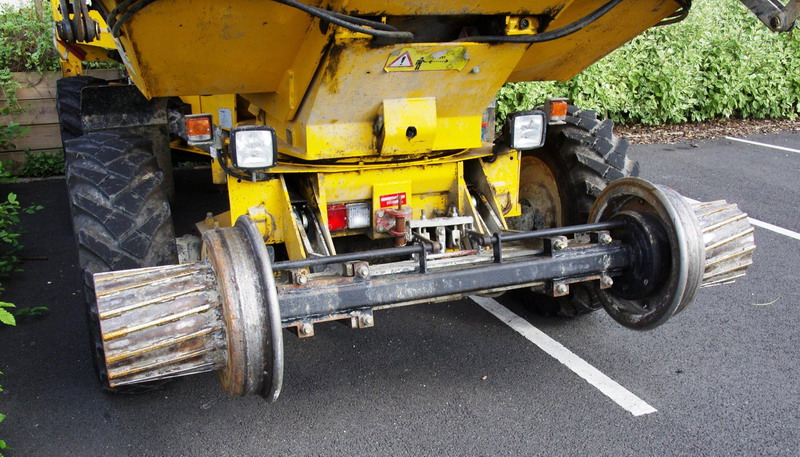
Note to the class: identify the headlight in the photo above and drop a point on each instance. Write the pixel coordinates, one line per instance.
(253, 147)
(527, 129)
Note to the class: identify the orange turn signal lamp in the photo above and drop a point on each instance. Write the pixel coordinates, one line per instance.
(556, 109)
(199, 128)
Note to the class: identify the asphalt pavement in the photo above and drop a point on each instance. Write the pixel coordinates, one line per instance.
(444, 379)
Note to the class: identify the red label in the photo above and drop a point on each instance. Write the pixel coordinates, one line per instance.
(392, 200)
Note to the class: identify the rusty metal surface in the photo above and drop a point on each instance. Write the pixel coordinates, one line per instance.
(176, 320)
(225, 312)
(691, 244)
(729, 241)
(242, 300)
(326, 296)
(273, 335)
(680, 245)
(159, 322)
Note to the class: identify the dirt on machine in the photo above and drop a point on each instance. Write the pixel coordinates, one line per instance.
(356, 143)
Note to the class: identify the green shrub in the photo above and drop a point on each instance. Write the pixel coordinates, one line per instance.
(43, 164)
(26, 41)
(9, 132)
(26, 44)
(719, 62)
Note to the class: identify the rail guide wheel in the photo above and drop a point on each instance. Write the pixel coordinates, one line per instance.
(220, 314)
(676, 246)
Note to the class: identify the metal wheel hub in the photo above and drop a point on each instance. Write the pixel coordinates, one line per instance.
(675, 245)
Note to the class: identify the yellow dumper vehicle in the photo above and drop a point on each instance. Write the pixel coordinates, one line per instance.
(357, 144)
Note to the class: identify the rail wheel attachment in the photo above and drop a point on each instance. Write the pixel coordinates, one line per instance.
(220, 314)
(676, 246)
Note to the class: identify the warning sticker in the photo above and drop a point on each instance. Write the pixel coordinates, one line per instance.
(404, 61)
(388, 201)
(413, 59)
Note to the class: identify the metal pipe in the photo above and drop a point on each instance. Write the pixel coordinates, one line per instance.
(351, 257)
(484, 240)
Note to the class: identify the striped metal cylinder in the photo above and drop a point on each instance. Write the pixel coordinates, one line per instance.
(728, 239)
(160, 322)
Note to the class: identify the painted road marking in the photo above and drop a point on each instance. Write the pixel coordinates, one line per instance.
(756, 143)
(592, 375)
(775, 228)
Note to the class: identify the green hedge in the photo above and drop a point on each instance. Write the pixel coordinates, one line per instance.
(720, 62)
(26, 41)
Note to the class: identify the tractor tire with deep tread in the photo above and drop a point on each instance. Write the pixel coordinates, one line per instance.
(68, 104)
(120, 216)
(582, 156)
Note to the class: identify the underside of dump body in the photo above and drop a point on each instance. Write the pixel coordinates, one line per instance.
(356, 142)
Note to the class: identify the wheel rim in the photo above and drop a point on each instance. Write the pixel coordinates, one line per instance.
(539, 196)
(684, 253)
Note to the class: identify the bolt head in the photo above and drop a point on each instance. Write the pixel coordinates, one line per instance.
(301, 279)
(363, 271)
(561, 288)
(367, 320)
(607, 281)
(559, 245)
(306, 329)
(524, 24)
(605, 238)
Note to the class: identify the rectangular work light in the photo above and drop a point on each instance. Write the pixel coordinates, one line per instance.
(527, 129)
(253, 147)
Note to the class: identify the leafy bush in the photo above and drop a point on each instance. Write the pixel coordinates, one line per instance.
(9, 132)
(719, 62)
(43, 164)
(9, 233)
(26, 41)
(26, 44)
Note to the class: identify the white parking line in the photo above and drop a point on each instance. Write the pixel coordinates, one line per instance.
(592, 375)
(756, 143)
(775, 228)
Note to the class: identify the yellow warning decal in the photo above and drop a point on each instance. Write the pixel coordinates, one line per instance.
(412, 59)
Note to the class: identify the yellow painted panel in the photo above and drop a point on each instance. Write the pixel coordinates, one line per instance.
(210, 47)
(402, 115)
(338, 114)
(244, 195)
(460, 133)
(353, 186)
(502, 174)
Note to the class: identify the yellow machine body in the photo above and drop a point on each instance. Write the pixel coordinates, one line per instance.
(342, 103)
(357, 142)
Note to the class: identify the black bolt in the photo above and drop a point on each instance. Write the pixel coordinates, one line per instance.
(411, 132)
(524, 24)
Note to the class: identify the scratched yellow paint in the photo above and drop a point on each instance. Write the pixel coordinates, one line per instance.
(360, 114)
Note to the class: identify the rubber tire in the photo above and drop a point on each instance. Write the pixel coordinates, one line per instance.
(68, 104)
(584, 156)
(120, 218)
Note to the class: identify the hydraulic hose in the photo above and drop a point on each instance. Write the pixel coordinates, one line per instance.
(127, 8)
(551, 35)
(378, 29)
